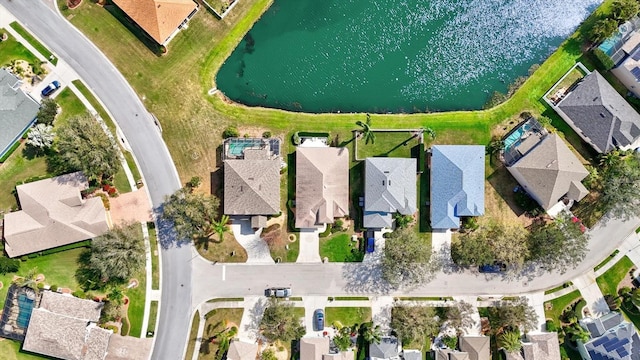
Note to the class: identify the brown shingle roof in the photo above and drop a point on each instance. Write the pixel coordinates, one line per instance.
(53, 214)
(239, 350)
(251, 187)
(158, 18)
(129, 347)
(476, 346)
(551, 170)
(322, 185)
(543, 346)
(313, 348)
(65, 327)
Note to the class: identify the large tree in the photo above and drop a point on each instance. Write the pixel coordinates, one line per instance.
(559, 244)
(623, 10)
(511, 315)
(48, 111)
(407, 259)
(460, 316)
(82, 144)
(413, 323)
(280, 322)
(114, 257)
(193, 214)
(602, 29)
(620, 179)
(41, 137)
(493, 242)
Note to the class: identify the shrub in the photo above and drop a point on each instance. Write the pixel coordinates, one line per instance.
(266, 134)
(551, 326)
(337, 225)
(79, 294)
(450, 341)
(230, 132)
(327, 232)
(40, 285)
(9, 265)
(604, 59)
(54, 288)
(624, 291)
(296, 138)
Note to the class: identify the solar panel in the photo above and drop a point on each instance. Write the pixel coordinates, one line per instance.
(635, 55)
(636, 72)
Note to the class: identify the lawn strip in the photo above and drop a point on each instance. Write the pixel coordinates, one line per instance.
(35, 43)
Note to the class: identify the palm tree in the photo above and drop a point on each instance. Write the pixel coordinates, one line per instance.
(220, 227)
(369, 136)
(635, 297)
(431, 132)
(510, 341)
(611, 158)
(577, 333)
(116, 295)
(29, 280)
(372, 334)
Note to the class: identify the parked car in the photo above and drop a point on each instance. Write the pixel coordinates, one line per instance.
(496, 267)
(278, 292)
(51, 88)
(318, 320)
(371, 245)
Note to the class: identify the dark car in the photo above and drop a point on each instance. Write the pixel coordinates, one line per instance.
(496, 267)
(51, 88)
(371, 245)
(278, 292)
(318, 320)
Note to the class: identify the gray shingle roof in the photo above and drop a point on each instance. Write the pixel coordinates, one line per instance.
(322, 185)
(544, 346)
(53, 214)
(457, 184)
(17, 110)
(387, 348)
(239, 350)
(550, 171)
(476, 346)
(390, 187)
(251, 187)
(602, 115)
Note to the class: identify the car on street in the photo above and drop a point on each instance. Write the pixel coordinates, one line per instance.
(51, 88)
(371, 245)
(278, 292)
(318, 320)
(496, 267)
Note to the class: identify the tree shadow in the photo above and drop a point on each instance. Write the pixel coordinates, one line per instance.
(503, 183)
(167, 235)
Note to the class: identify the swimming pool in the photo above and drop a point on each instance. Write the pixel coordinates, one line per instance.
(515, 137)
(26, 307)
(608, 46)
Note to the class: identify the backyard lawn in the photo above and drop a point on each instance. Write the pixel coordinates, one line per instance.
(10, 350)
(387, 144)
(17, 168)
(608, 282)
(340, 248)
(347, 316)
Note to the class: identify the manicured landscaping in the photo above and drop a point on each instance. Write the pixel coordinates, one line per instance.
(155, 261)
(606, 260)
(608, 282)
(11, 49)
(153, 317)
(347, 316)
(340, 248)
(35, 43)
(216, 321)
(193, 334)
(229, 250)
(70, 105)
(554, 308)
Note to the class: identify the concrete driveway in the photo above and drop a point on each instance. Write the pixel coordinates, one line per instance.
(249, 239)
(310, 245)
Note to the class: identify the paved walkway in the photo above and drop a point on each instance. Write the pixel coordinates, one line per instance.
(249, 239)
(536, 300)
(310, 246)
(477, 326)
(591, 294)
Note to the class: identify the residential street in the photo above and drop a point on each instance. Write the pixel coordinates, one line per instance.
(152, 155)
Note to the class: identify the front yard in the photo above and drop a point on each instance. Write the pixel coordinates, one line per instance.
(216, 322)
(228, 250)
(610, 280)
(346, 316)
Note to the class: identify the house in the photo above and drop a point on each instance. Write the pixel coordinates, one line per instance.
(66, 327)
(239, 350)
(53, 214)
(312, 348)
(612, 338)
(160, 19)
(411, 354)
(546, 169)
(390, 187)
(602, 117)
(541, 346)
(252, 179)
(322, 185)
(17, 111)
(471, 348)
(457, 184)
(387, 349)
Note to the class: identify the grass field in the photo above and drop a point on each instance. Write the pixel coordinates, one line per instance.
(340, 248)
(35, 43)
(347, 316)
(11, 49)
(608, 282)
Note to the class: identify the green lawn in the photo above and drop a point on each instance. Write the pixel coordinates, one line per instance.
(10, 350)
(35, 43)
(193, 334)
(387, 144)
(136, 299)
(70, 105)
(347, 316)
(11, 49)
(216, 320)
(340, 248)
(96, 105)
(153, 317)
(559, 305)
(17, 168)
(155, 262)
(608, 282)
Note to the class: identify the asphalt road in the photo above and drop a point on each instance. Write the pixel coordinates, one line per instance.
(152, 155)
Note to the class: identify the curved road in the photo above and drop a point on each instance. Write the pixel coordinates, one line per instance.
(152, 155)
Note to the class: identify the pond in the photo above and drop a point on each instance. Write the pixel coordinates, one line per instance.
(393, 55)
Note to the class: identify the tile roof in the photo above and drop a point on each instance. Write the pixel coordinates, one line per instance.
(53, 214)
(239, 350)
(549, 171)
(601, 114)
(313, 348)
(158, 18)
(457, 184)
(129, 347)
(412, 355)
(322, 185)
(252, 187)
(390, 187)
(476, 346)
(60, 330)
(17, 110)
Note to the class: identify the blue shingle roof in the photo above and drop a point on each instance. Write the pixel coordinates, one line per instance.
(457, 184)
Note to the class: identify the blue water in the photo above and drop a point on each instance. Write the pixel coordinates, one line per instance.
(608, 45)
(26, 308)
(514, 138)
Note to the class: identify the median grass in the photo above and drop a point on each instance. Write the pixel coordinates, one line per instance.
(155, 261)
(193, 334)
(608, 282)
(153, 317)
(33, 42)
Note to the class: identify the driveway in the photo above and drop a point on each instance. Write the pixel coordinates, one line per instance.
(249, 239)
(591, 293)
(441, 244)
(309, 246)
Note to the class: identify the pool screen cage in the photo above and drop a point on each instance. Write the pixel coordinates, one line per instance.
(234, 147)
(510, 153)
(17, 310)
